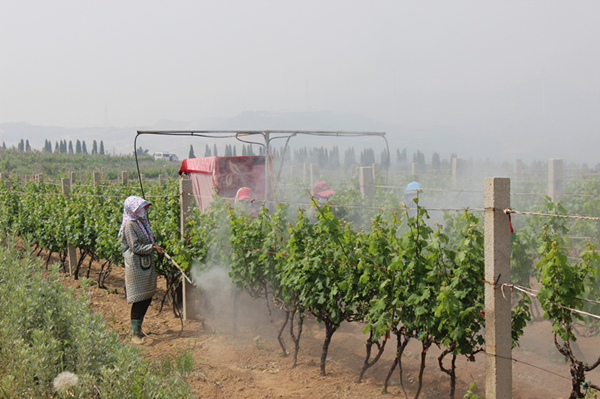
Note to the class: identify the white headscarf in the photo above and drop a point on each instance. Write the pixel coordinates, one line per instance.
(131, 206)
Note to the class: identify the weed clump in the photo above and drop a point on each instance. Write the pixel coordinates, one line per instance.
(52, 342)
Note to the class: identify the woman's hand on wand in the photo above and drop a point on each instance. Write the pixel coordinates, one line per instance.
(158, 249)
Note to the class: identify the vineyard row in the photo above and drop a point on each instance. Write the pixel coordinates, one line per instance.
(398, 276)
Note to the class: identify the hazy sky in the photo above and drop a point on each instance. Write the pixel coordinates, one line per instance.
(75, 63)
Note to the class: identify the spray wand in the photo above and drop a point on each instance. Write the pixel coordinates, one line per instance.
(177, 266)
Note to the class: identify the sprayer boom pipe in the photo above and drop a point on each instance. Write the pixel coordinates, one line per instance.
(178, 267)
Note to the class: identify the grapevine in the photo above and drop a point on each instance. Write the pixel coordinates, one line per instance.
(393, 274)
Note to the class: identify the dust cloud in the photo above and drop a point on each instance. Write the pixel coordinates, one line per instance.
(225, 308)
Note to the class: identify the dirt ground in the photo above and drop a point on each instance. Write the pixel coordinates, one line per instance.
(251, 365)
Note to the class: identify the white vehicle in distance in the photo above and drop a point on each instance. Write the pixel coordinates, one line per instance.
(166, 156)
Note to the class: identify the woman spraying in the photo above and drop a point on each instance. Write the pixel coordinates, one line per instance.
(138, 245)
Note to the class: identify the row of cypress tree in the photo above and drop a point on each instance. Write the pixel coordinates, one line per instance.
(330, 158)
(230, 151)
(62, 147)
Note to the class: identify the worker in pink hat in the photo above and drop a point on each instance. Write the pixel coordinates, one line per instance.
(322, 191)
(245, 200)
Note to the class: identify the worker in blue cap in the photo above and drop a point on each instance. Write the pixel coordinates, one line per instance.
(410, 193)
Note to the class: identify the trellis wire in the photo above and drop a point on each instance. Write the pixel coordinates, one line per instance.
(508, 211)
(533, 294)
(481, 192)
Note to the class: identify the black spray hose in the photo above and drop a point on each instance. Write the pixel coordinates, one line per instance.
(174, 302)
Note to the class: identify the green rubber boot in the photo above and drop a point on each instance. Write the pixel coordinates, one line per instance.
(136, 332)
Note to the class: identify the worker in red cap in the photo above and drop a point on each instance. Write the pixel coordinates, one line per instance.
(322, 191)
(245, 199)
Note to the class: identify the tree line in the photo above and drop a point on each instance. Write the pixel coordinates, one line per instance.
(330, 157)
(230, 151)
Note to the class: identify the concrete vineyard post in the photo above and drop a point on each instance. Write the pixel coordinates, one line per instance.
(455, 171)
(365, 180)
(71, 253)
(518, 167)
(459, 167)
(414, 170)
(186, 203)
(102, 171)
(306, 173)
(375, 171)
(160, 179)
(66, 187)
(4, 179)
(498, 341)
(73, 178)
(124, 177)
(97, 179)
(555, 178)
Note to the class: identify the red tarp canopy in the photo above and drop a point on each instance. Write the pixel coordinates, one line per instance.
(199, 165)
(225, 176)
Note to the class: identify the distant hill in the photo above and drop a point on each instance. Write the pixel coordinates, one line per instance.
(534, 121)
